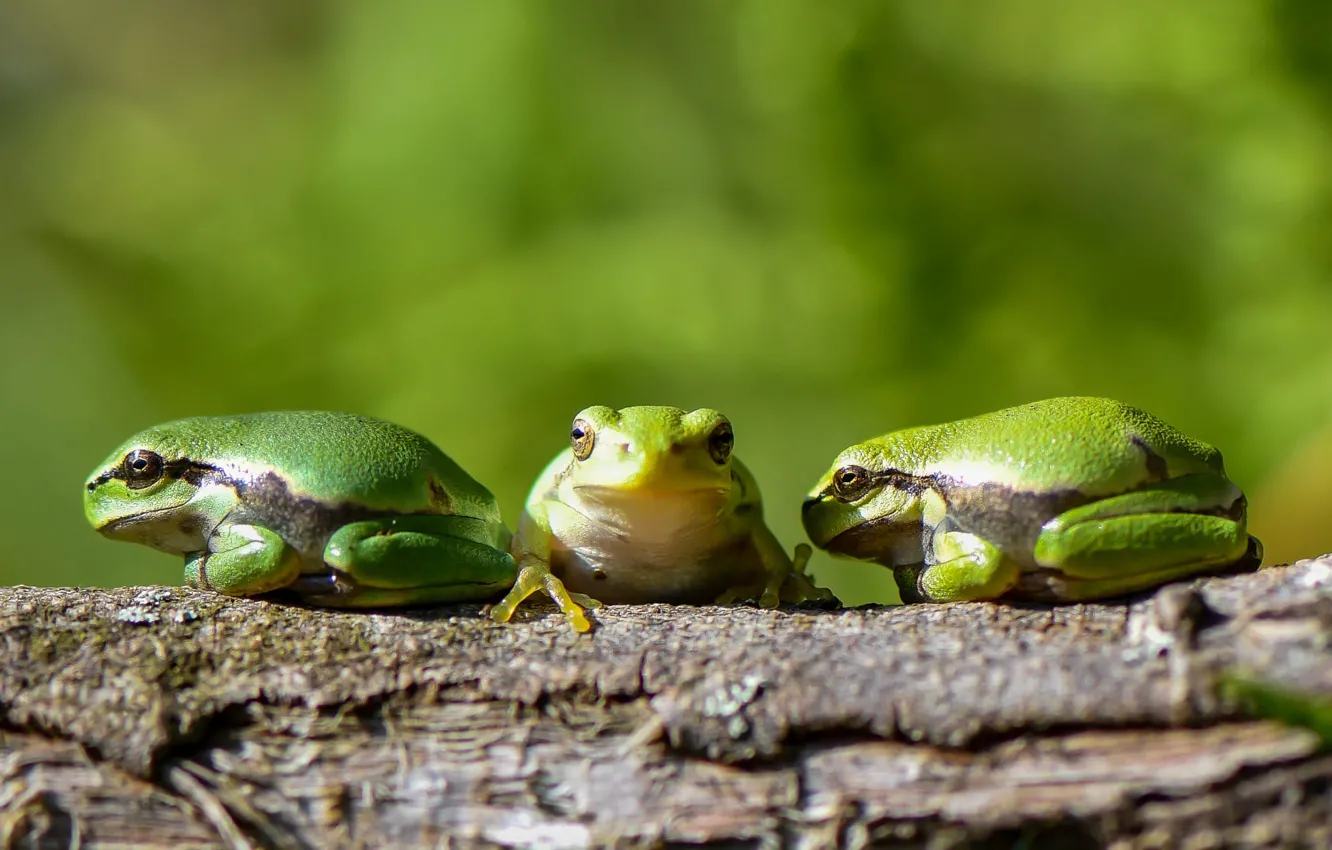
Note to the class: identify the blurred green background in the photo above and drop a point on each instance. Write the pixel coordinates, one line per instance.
(828, 220)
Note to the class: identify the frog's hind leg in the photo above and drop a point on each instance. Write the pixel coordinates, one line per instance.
(410, 559)
(1184, 526)
(964, 568)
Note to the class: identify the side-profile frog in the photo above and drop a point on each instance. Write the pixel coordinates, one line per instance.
(648, 504)
(1060, 500)
(344, 510)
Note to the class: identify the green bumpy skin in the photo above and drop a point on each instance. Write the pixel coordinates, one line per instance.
(344, 510)
(648, 504)
(1067, 499)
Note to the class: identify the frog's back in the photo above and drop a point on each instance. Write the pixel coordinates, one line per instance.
(1095, 445)
(331, 457)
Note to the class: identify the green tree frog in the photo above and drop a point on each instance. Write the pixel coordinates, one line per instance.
(1060, 500)
(344, 510)
(648, 504)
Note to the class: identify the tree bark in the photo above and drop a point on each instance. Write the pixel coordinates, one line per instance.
(164, 717)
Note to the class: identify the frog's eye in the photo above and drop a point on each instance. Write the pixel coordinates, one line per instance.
(581, 438)
(143, 468)
(851, 482)
(720, 443)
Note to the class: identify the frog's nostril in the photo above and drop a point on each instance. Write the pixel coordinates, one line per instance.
(91, 486)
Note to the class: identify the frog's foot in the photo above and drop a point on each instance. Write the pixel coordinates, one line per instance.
(798, 586)
(243, 560)
(966, 569)
(767, 593)
(535, 575)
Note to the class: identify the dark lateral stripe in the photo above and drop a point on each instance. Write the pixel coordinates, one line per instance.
(914, 484)
(1157, 469)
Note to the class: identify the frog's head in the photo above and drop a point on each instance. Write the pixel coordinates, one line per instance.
(656, 452)
(147, 492)
(867, 507)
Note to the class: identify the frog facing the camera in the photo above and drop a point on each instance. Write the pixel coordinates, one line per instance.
(649, 504)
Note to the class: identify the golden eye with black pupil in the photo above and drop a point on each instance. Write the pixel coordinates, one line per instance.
(720, 442)
(142, 468)
(851, 482)
(581, 437)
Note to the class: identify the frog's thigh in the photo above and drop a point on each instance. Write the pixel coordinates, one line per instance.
(966, 568)
(1146, 533)
(416, 552)
(243, 560)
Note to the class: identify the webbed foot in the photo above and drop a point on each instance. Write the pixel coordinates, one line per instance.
(535, 575)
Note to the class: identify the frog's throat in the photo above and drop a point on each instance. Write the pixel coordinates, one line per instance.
(884, 540)
(113, 527)
(609, 494)
(653, 517)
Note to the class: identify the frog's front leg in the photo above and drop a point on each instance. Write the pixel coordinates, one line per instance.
(243, 560)
(1126, 543)
(963, 567)
(531, 548)
(412, 559)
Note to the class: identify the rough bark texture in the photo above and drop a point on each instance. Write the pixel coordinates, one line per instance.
(162, 717)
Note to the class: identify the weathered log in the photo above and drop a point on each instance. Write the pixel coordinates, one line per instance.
(163, 717)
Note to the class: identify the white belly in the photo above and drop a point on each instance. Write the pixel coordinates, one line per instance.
(670, 549)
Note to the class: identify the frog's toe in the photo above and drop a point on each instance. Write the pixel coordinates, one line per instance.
(578, 621)
(529, 582)
(739, 593)
(800, 559)
(569, 602)
(727, 597)
(584, 600)
(501, 612)
(798, 588)
(767, 595)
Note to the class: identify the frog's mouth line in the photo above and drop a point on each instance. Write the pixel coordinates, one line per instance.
(124, 522)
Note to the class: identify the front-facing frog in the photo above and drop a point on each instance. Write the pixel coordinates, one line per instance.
(1060, 500)
(648, 504)
(344, 510)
